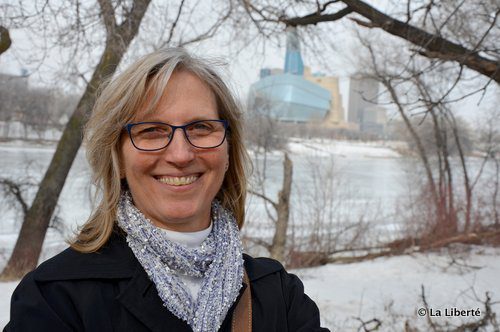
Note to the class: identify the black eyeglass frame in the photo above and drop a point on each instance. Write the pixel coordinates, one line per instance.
(129, 127)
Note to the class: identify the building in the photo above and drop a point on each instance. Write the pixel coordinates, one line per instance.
(295, 94)
(363, 109)
(373, 120)
(287, 95)
(363, 93)
(335, 115)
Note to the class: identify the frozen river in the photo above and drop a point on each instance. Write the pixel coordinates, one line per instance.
(349, 180)
(360, 179)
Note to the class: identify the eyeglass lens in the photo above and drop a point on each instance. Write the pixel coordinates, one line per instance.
(155, 136)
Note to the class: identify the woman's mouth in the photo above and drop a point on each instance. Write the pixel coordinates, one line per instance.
(178, 180)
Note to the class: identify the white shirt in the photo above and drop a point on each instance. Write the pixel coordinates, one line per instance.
(190, 240)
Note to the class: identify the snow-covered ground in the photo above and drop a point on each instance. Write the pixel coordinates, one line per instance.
(388, 288)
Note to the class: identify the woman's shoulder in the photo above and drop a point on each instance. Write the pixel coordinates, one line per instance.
(273, 287)
(260, 267)
(113, 260)
(273, 273)
(71, 285)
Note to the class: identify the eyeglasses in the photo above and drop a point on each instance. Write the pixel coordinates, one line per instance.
(153, 136)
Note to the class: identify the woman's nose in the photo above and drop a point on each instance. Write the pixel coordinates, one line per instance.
(179, 151)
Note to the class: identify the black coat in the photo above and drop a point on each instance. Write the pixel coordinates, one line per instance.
(110, 291)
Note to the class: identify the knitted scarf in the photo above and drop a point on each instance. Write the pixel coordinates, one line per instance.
(219, 261)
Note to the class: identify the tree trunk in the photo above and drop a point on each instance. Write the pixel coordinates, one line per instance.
(27, 250)
(283, 209)
(494, 197)
(5, 41)
(418, 142)
(467, 184)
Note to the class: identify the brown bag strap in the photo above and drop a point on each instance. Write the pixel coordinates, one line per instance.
(242, 315)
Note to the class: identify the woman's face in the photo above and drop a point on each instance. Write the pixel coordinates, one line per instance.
(153, 177)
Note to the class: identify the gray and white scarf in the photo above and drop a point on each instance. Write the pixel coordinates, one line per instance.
(219, 261)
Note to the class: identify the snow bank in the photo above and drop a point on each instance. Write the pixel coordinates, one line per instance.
(374, 289)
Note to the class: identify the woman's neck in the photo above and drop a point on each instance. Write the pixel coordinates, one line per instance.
(189, 239)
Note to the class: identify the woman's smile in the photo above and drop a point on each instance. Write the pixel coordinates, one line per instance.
(177, 181)
(175, 186)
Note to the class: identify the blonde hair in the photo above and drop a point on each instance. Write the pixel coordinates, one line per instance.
(143, 83)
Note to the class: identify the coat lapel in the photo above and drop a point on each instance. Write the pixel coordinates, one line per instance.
(141, 298)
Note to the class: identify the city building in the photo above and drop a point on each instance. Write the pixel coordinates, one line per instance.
(287, 95)
(295, 94)
(335, 115)
(363, 109)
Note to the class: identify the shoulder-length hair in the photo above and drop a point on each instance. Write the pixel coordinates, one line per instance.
(143, 84)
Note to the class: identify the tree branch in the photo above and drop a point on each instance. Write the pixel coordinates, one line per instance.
(265, 198)
(433, 46)
(14, 188)
(174, 24)
(316, 17)
(210, 32)
(259, 242)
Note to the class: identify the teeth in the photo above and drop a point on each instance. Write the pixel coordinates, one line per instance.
(178, 181)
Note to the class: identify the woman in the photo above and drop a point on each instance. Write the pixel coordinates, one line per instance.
(162, 251)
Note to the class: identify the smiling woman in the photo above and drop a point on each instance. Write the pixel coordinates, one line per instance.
(162, 249)
(174, 184)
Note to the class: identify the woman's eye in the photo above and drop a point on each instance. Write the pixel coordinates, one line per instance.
(150, 130)
(154, 130)
(201, 126)
(147, 130)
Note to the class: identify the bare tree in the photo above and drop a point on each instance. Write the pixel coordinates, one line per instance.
(29, 243)
(416, 88)
(265, 136)
(330, 223)
(489, 145)
(283, 212)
